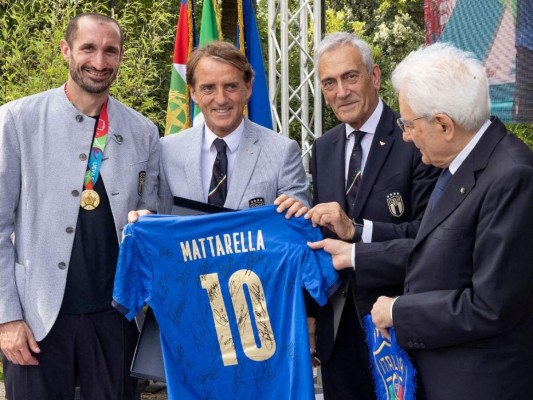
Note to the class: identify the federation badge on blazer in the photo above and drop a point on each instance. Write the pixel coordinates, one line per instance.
(256, 202)
(395, 204)
(140, 182)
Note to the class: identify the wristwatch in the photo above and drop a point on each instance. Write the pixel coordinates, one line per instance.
(358, 231)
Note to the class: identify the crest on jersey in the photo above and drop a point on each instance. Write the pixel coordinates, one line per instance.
(395, 204)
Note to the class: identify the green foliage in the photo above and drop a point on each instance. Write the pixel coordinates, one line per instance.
(30, 32)
(392, 27)
(524, 132)
(30, 60)
(31, 63)
(144, 77)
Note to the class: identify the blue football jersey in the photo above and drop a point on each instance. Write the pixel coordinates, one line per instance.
(226, 290)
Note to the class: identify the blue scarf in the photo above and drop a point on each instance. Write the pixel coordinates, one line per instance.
(392, 370)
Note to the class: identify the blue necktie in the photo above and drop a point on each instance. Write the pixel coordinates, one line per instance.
(441, 184)
(218, 189)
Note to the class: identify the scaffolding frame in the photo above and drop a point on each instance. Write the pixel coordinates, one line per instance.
(291, 31)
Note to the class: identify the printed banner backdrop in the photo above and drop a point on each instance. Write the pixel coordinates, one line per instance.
(498, 32)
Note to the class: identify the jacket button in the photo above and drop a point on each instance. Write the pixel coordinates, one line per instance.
(75, 193)
(79, 118)
(406, 288)
(69, 229)
(83, 157)
(62, 265)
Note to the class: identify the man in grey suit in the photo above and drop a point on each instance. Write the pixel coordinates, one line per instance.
(260, 164)
(73, 161)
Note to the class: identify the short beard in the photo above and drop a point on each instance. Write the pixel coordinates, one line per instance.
(87, 86)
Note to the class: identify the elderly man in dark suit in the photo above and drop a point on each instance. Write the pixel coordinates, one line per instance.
(466, 312)
(365, 174)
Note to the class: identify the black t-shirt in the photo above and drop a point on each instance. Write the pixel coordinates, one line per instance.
(93, 260)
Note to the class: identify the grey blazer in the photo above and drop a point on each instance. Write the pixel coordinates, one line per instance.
(267, 165)
(44, 145)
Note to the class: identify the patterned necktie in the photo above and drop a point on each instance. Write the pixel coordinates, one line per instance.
(218, 189)
(440, 185)
(354, 172)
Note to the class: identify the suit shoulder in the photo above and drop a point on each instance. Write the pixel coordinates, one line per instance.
(180, 138)
(516, 150)
(266, 135)
(131, 116)
(33, 102)
(330, 135)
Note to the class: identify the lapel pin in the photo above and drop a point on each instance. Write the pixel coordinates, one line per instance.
(462, 190)
(382, 143)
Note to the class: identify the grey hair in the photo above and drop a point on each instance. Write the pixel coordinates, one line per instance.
(441, 78)
(338, 39)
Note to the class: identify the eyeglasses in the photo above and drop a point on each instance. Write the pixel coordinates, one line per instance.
(404, 123)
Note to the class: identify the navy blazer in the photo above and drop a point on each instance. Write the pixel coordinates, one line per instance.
(467, 312)
(393, 171)
(393, 192)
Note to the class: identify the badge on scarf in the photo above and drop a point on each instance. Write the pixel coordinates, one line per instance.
(392, 370)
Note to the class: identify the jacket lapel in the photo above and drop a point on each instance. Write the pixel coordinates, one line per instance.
(193, 164)
(456, 191)
(337, 165)
(116, 141)
(381, 145)
(245, 161)
(463, 181)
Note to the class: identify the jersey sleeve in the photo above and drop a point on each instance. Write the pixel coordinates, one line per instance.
(133, 277)
(318, 274)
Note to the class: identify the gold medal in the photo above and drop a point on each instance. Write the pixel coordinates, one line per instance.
(89, 200)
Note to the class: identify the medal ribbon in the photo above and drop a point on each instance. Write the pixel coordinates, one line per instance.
(97, 150)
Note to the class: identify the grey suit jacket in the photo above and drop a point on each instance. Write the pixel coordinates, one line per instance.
(267, 165)
(44, 145)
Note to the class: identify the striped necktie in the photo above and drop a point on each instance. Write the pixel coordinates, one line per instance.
(218, 189)
(354, 172)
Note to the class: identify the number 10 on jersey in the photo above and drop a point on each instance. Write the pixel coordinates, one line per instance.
(245, 290)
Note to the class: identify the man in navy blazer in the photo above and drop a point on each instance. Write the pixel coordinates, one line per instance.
(261, 163)
(466, 313)
(391, 197)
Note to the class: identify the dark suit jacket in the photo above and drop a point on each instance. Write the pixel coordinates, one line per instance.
(394, 171)
(467, 312)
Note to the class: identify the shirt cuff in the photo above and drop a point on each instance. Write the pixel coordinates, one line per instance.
(391, 305)
(366, 236)
(353, 256)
